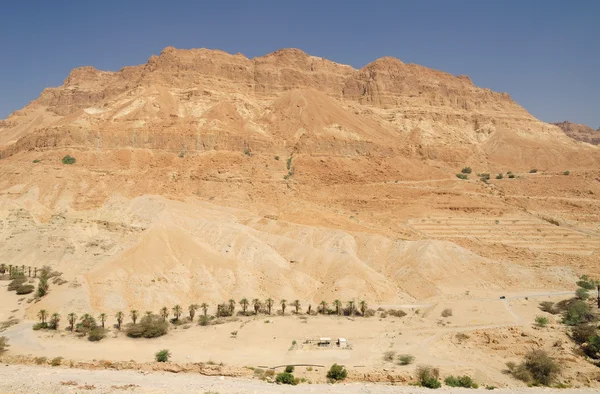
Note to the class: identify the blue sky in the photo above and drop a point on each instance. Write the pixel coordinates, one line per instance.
(546, 54)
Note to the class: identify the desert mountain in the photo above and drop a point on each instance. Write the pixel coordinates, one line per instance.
(580, 132)
(206, 175)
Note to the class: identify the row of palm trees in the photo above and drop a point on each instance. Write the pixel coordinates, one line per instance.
(224, 309)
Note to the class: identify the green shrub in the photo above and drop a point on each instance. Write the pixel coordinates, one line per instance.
(285, 378)
(538, 368)
(577, 313)
(40, 360)
(25, 289)
(289, 369)
(461, 381)
(582, 293)
(586, 283)
(462, 176)
(96, 334)
(40, 326)
(511, 176)
(499, 176)
(533, 171)
(17, 282)
(405, 359)
(389, 355)
(276, 157)
(582, 333)
(3, 344)
(162, 356)
(149, 327)
(484, 177)
(592, 349)
(36, 161)
(56, 361)
(466, 170)
(396, 312)
(68, 160)
(428, 377)
(541, 321)
(337, 372)
(548, 307)
(566, 172)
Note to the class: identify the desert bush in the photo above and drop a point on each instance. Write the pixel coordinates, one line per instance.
(285, 378)
(56, 361)
(3, 344)
(447, 312)
(25, 289)
(40, 360)
(566, 172)
(461, 381)
(582, 333)
(538, 368)
(396, 313)
(203, 321)
(533, 171)
(428, 377)
(96, 334)
(405, 359)
(17, 282)
(500, 176)
(462, 176)
(40, 326)
(337, 372)
(151, 326)
(484, 177)
(541, 321)
(383, 315)
(466, 170)
(270, 373)
(592, 349)
(289, 369)
(511, 176)
(582, 293)
(577, 313)
(162, 356)
(86, 324)
(586, 283)
(461, 336)
(389, 355)
(548, 307)
(68, 160)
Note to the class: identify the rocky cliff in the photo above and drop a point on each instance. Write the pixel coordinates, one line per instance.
(580, 132)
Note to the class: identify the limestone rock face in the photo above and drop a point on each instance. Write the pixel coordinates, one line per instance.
(580, 132)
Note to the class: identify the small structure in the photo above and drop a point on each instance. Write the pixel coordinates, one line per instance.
(324, 342)
(341, 342)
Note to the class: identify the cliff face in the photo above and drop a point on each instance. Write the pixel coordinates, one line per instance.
(580, 132)
(199, 100)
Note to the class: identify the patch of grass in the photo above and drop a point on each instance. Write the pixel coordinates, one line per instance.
(37, 161)
(162, 356)
(541, 321)
(405, 359)
(68, 160)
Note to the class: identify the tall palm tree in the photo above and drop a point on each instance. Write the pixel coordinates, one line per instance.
(148, 313)
(177, 311)
(164, 312)
(363, 307)
(54, 320)
(338, 306)
(323, 306)
(119, 317)
(244, 303)
(192, 311)
(256, 304)
(102, 318)
(134, 315)
(231, 306)
(269, 304)
(87, 321)
(2, 269)
(283, 305)
(72, 319)
(204, 307)
(351, 307)
(42, 314)
(296, 304)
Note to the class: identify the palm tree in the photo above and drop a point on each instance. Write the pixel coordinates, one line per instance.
(2, 269)
(148, 313)
(256, 304)
(192, 311)
(54, 320)
(351, 307)
(87, 321)
(164, 312)
(119, 317)
(363, 307)
(72, 319)
(177, 312)
(204, 307)
(309, 309)
(134, 315)
(231, 306)
(338, 305)
(269, 304)
(42, 314)
(323, 306)
(244, 303)
(296, 304)
(283, 305)
(102, 318)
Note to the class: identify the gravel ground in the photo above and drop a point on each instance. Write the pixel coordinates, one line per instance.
(33, 379)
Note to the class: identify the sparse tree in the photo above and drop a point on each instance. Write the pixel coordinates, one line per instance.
(296, 304)
(72, 318)
(42, 314)
(54, 320)
(323, 306)
(119, 317)
(231, 306)
(338, 306)
(244, 303)
(256, 305)
(283, 305)
(351, 307)
(192, 311)
(363, 307)
(164, 312)
(134, 315)
(269, 304)
(102, 318)
(204, 307)
(177, 311)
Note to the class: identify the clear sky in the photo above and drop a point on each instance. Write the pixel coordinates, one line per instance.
(545, 53)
